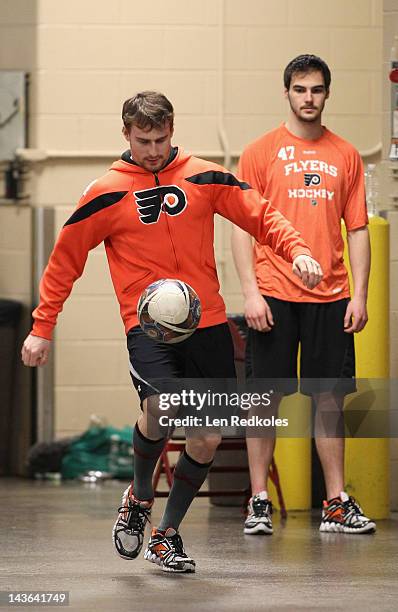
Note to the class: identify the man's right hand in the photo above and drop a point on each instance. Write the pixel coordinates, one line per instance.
(35, 351)
(308, 269)
(258, 314)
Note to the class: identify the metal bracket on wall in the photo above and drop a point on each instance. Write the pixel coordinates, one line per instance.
(13, 115)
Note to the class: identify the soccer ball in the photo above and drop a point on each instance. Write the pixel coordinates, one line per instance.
(169, 310)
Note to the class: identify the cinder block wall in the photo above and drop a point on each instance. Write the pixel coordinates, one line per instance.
(216, 60)
(17, 52)
(16, 284)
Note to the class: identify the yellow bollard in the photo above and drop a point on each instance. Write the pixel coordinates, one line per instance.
(293, 455)
(367, 460)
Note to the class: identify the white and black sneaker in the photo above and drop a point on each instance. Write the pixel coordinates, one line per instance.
(259, 512)
(167, 550)
(343, 514)
(128, 531)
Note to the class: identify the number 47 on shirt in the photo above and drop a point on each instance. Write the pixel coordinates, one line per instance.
(286, 153)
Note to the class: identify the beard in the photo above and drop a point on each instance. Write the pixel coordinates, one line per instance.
(304, 118)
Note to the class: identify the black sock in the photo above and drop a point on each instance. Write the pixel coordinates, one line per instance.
(189, 475)
(146, 455)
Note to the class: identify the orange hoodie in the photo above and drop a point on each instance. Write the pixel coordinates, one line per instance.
(158, 226)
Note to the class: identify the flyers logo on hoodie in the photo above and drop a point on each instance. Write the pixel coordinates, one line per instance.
(169, 199)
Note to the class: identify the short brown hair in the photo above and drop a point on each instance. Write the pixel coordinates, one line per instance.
(147, 110)
(303, 64)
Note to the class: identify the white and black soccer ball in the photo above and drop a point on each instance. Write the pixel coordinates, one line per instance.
(169, 310)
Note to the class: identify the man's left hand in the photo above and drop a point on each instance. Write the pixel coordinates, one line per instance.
(308, 270)
(356, 315)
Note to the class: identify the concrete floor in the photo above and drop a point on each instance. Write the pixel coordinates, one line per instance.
(58, 537)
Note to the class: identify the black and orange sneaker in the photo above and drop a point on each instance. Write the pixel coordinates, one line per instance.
(167, 550)
(343, 514)
(259, 515)
(128, 531)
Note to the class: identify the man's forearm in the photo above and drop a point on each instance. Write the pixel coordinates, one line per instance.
(242, 251)
(246, 208)
(359, 254)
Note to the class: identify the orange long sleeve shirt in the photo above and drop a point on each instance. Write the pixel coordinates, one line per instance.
(158, 226)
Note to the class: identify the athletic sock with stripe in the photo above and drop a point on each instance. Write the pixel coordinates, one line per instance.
(189, 475)
(146, 455)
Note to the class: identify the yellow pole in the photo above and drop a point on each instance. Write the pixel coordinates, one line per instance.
(367, 459)
(293, 456)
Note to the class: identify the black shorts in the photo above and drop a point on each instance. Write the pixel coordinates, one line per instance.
(208, 353)
(327, 356)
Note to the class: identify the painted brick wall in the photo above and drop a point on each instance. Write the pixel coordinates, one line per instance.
(211, 58)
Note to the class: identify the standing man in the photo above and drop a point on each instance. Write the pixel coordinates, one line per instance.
(154, 210)
(315, 178)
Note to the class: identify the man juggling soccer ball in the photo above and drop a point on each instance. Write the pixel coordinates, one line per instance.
(154, 210)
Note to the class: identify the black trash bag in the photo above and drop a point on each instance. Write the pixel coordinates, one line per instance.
(47, 456)
(10, 312)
